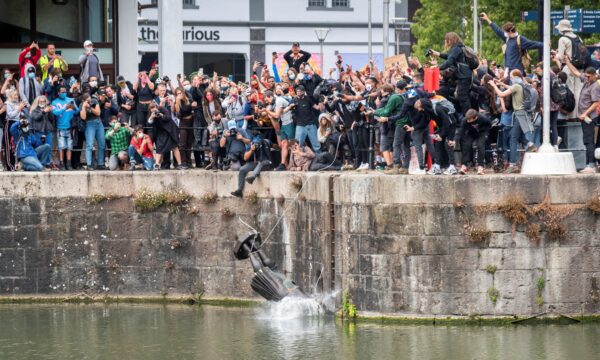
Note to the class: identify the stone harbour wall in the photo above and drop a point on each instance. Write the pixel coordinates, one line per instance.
(404, 245)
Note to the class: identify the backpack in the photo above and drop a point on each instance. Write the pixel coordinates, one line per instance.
(529, 103)
(580, 56)
(470, 58)
(563, 96)
(440, 100)
(525, 58)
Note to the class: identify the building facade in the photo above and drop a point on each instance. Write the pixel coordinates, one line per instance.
(228, 36)
(224, 36)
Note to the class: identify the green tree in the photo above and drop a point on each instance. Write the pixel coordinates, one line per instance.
(437, 17)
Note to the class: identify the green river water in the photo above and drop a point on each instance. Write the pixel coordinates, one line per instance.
(192, 332)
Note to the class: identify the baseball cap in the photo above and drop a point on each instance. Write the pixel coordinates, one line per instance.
(296, 44)
(300, 88)
(87, 43)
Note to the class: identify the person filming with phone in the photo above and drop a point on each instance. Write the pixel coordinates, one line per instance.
(90, 64)
(52, 60)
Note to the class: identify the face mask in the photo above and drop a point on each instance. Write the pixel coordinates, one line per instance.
(93, 84)
(506, 35)
(308, 77)
(42, 104)
(6, 75)
(292, 76)
(368, 87)
(31, 75)
(516, 80)
(25, 129)
(300, 76)
(89, 49)
(255, 86)
(187, 87)
(62, 95)
(140, 135)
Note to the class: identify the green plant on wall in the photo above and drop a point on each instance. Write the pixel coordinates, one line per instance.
(493, 293)
(540, 283)
(348, 308)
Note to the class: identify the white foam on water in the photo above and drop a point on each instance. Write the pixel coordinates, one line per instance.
(295, 307)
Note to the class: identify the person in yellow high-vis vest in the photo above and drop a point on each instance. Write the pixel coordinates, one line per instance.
(52, 60)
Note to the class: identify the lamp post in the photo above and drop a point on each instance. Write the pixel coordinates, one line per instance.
(547, 160)
(321, 35)
(386, 29)
(475, 26)
(370, 34)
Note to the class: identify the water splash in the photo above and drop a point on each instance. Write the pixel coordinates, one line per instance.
(296, 307)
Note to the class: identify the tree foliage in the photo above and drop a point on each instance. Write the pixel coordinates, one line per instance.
(437, 17)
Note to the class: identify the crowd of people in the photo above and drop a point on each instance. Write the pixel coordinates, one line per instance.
(478, 116)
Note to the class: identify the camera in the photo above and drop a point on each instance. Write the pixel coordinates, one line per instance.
(58, 52)
(260, 105)
(23, 122)
(166, 79)
(157, 114)
(428, 53)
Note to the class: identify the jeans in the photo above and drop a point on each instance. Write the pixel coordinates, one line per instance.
(506, 130)
(419, 137)
(401, 147)
(138, 159)
(94, 131)
(517, 135)
(309, 131)
(255, 167)
(34, 163)
(114, 160)
(554, 127)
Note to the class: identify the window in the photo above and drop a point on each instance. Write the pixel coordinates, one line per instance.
(340, 3)
(190, 4)
(316, 3)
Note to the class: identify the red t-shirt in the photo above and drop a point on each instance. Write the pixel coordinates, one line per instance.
(137, 144)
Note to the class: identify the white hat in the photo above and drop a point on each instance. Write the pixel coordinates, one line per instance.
(564, 26)
(87, 43)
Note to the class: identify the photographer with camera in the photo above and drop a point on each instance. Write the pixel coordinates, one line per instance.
(126, 101)
(118, 134)
(140, 150)
(89, 63)
(215, 131)
(42, 119)
(94, 131)
(165, 134)
(51, 61)
(51, 84)
(65, 110)
(257, 158)
(235, 140)
(30, 150)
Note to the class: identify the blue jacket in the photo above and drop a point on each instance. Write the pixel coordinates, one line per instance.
(26, 143)
(455, 59)
(59, 109)
(512, 57)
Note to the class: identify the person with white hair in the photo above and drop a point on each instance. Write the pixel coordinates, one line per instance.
(567, 42)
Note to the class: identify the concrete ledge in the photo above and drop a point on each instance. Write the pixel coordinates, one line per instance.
(348, 188)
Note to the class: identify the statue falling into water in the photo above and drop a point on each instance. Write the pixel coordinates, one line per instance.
(267, 281)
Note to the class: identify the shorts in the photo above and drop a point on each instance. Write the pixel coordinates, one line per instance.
(65, 140)
(287, 132)
(387, 140)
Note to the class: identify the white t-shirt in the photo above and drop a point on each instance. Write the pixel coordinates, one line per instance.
(286, 117)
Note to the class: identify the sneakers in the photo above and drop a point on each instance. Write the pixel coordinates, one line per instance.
(1, 167)
(68, 165)
(419, 172)
(451, 170)
(511, 169)
(435, 170)
(588, 170)
(347, 167)
(363, 166)
(250, 179)
(558, 141)
(280, 167)
(156, 167)
(531, 147)
(480, 170)
(61, 166)
(132, 166)
(403, 171)
(237, 193)
(463, 170)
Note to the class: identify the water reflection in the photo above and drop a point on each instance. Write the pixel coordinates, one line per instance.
(296, 332)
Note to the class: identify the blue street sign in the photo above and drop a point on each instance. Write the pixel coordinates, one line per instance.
(582, 21)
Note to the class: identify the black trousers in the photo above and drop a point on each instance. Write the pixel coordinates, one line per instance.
(463, 88)
(467, 147)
